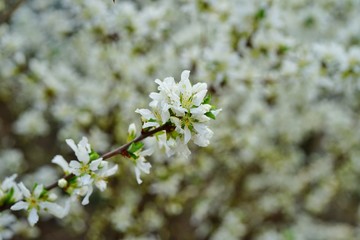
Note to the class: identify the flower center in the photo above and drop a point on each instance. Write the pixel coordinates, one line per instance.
(84, 168)
(32, 202)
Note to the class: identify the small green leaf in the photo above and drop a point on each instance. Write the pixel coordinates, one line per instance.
(134, 147)
(8, 197)
(72, 180)
(94, 155)
(207, 99)
(210, 115)
(260, 14)
(132, 155)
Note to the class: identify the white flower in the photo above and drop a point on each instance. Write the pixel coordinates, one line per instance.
(82, 150)
(141, 165)
(86, 191)
(166, 96)
(202, 138)
(191, 95)
(80, 168)
(186, 107)
(83, 166)
(154, 118)
(8, 184)
(88, 171)
(36, 201)
(165, 144)
(105, 172)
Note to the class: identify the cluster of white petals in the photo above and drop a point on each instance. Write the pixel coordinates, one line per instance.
(38, 200)
(142, 165)
(186, 107)
(87, 171)
(9, 186)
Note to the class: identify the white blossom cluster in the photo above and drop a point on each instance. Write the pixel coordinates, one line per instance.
(187, 112)
(185, 107)
(284, 162)
(86, 172)
(88, 169)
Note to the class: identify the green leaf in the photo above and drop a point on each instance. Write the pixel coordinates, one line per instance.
(73, 180)
(94, 155)
(132, 155)
(210, 115)
(207, 99)
(8, 197)
(134, 147)
(260, 14)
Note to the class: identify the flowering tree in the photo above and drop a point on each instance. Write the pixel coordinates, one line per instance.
(283, 162)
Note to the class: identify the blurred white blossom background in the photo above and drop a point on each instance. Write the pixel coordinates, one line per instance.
(284, 161)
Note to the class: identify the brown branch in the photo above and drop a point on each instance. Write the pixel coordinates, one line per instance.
(120, 150)
(5, 17)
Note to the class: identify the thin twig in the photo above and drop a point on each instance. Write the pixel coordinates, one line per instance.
(120, 150)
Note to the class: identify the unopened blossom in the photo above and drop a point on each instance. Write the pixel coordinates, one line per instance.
(35, 201)
(131, 132)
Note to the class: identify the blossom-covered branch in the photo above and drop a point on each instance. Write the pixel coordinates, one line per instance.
(179, 113)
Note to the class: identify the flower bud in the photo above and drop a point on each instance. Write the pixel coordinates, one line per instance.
(62, 183)
(131, 132)
(53, 196)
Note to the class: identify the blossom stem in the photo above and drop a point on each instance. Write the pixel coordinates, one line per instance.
(121, 149)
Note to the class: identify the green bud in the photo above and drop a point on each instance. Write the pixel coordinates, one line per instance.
(94, 155)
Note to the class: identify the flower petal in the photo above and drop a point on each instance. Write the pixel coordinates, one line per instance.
(187, 135)
(19, 206)
(101, 184)
(38, 190)
(33, 217)
(54, 209)
(84, 144)
(75, 164)
(85, 201)
(24, 190)
(94, 165)
(59, 160)
(111, 171)
(71, 144)
(137, 174)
